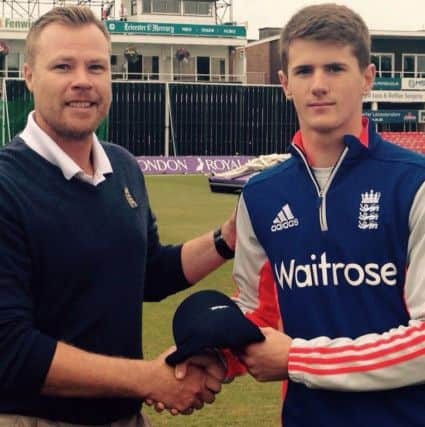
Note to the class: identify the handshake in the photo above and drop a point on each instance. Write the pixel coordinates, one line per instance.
(192, 374)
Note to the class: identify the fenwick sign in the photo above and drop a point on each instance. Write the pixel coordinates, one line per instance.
(175, 29)
(15, 24)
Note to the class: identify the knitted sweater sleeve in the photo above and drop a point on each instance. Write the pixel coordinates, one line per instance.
(392, 359)
(25, 353)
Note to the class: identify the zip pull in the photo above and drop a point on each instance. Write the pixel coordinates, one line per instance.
(320, 199)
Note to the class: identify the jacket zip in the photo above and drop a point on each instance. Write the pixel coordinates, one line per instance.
(322, 192)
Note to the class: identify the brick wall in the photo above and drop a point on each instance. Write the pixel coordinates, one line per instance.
(258, 64)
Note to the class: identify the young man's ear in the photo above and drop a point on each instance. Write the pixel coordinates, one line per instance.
(369, 78)
(28, 76)
(284, 83)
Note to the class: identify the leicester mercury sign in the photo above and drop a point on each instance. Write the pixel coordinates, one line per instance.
(169, 29)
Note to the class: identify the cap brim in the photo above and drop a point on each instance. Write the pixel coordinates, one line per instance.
(184, 352)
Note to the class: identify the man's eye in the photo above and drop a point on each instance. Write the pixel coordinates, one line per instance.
(334, 68)
(303, 70)
(97, 67)
(61, 66)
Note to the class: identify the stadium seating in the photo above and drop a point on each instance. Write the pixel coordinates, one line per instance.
(413, 140)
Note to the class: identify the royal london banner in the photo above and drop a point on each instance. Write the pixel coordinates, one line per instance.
(190, 164)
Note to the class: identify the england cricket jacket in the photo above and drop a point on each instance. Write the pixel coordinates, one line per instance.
(348, 266)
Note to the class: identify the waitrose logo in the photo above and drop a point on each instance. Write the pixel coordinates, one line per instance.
(15, 24)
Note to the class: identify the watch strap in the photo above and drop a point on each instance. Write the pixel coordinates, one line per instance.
(221, 246)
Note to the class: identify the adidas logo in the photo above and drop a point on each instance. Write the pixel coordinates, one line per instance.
(284, 219)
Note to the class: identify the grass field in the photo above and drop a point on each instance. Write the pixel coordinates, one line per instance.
(185, 208)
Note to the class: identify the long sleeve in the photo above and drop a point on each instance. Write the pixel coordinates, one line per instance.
(25, 353)
(392, 359)
(256, 291)
(256, 294)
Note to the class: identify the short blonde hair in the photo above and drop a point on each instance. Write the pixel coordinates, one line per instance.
(328, 22)
(69, 15)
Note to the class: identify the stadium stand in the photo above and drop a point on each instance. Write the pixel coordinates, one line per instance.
(413, 140)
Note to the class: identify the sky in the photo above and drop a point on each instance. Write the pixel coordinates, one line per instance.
(378, 14)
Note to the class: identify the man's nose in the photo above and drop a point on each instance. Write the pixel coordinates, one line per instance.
(319, 84)
(82, 78)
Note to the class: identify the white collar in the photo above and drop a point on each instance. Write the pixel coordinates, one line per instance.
(41, 143)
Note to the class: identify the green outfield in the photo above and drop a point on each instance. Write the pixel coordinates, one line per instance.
(185, 208)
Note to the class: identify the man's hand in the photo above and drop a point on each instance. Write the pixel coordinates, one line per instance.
(212, 366)
(179, 395)
(216, 374)
(268, 360)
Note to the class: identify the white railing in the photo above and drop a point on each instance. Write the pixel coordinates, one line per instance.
(257, 78)
(248, 78)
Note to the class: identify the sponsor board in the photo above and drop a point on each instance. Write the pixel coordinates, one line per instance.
(392, 116)
(413, 84)
(190, 164)
(387, 83)
(161, 28)
(395, 96)
(15, 24)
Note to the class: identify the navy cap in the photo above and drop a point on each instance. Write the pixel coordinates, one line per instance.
(209, 319)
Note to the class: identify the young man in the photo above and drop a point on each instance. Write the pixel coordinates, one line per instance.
(342, 224)
(79, 251)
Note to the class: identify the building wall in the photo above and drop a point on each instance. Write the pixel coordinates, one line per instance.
(156, 47)
(258, 63)
(275, 64)
(162, 17)
(269, 32)
(265, 57)
(168, 65)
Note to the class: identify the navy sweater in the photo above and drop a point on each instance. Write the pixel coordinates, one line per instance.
(76, 262)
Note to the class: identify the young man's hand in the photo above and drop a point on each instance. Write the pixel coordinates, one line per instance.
(268, 360)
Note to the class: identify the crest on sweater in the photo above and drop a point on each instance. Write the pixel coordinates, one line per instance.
(130, 200)
(369, 210)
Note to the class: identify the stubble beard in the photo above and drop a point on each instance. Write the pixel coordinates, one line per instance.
(75, 133)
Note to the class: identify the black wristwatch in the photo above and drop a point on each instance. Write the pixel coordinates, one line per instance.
(221, 246)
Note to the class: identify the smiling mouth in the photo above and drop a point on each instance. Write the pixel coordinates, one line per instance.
(80, 104)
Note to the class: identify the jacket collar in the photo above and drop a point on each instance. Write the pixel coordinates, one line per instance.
(365, 142)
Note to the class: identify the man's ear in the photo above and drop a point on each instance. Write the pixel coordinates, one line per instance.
(284, 83)
(28, 76)
(369, 74)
